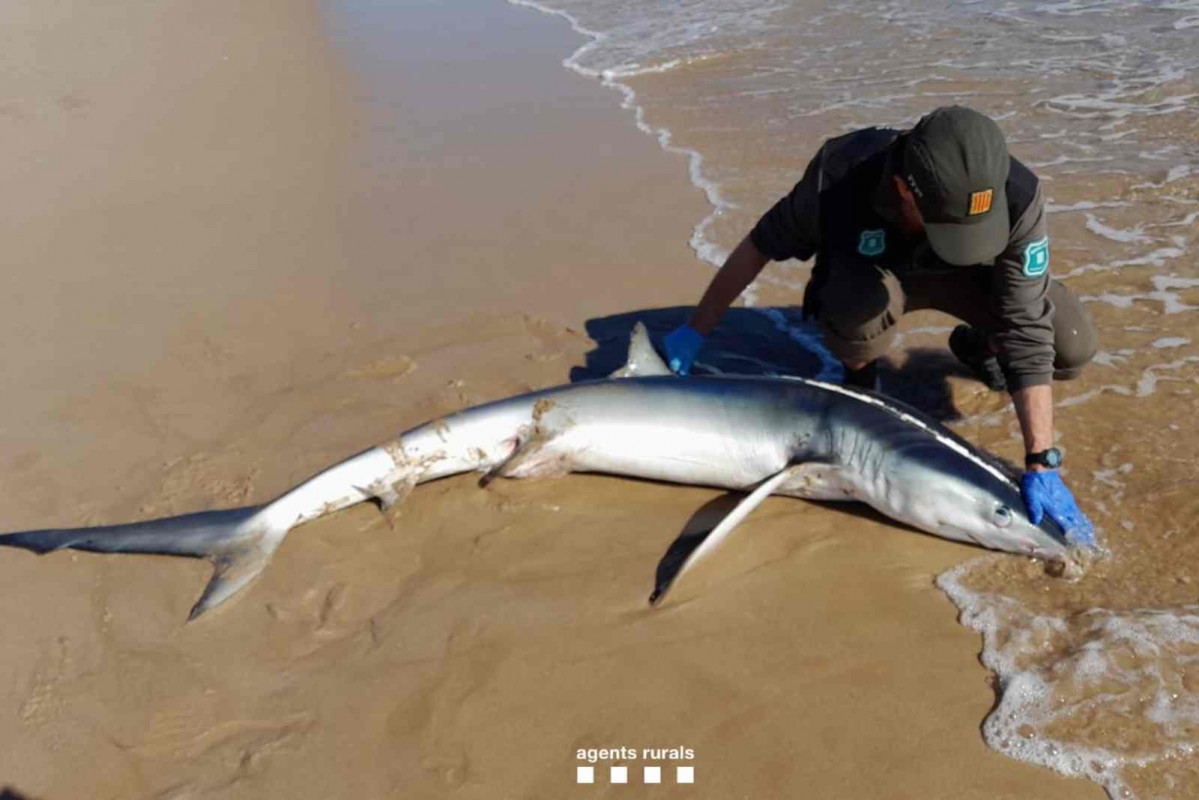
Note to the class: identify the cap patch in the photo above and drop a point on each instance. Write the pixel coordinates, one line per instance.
(980, 202)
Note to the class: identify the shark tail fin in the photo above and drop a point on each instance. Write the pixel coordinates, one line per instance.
(643, 358)
(238, 541)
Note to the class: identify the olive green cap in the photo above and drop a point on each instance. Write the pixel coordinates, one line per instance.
(956, 164)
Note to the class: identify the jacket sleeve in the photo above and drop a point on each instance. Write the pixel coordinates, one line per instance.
(791, 229)
(1020, 284)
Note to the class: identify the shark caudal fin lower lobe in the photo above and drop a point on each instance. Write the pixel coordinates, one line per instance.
(238, 541)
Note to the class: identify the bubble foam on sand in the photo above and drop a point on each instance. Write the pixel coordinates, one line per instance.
(1137, 234)
(1120, 683)
(1083, 205)
(1163, 285)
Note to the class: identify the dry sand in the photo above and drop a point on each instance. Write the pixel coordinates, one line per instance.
(238, 251)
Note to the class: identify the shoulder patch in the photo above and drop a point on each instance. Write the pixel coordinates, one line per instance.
(873, 242)
(1036, 258)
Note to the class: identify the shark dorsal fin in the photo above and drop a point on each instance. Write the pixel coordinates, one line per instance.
(643, 358)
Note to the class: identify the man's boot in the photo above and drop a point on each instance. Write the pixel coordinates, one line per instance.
(864, 378)
(970, 347)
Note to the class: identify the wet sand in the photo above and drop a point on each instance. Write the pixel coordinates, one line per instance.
(246, 243)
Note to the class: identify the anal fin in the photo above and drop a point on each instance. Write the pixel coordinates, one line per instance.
(497, 470)
(533, 457)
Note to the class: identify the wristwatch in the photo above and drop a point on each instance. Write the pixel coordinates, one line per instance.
(1051, 458)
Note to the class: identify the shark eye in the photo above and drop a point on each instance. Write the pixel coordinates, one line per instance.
(1002, 516)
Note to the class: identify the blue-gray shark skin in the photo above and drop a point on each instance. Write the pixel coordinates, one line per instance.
(788, 436)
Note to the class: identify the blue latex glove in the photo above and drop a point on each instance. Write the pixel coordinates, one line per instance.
(1044, 493)
(682, 345)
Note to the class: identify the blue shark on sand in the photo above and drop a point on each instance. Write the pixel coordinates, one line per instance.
(787, 436)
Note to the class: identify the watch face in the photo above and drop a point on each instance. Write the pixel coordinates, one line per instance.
(1051, 458)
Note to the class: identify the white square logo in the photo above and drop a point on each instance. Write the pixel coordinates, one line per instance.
(619, 775)
(653, 774)
(685, 775)
(585, 775)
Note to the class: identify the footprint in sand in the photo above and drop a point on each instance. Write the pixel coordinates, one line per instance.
(391, 368)
(43, 702)
(220, 477)
(553, 341)
(216, 759)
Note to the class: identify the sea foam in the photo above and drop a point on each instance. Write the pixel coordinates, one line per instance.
(1119, 684)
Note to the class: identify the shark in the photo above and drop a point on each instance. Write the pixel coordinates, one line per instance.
(758, 435)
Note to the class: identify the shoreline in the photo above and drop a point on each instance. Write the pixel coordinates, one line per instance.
(705, 250)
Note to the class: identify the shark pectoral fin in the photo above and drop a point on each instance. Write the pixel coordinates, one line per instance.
(721, 531)
(643, 358)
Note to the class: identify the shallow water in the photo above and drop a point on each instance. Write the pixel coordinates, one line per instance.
(1098, 671)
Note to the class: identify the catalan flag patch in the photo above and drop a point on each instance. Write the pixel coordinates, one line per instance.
(980, 202)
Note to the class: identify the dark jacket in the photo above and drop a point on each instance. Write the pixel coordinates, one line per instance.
(847, 192)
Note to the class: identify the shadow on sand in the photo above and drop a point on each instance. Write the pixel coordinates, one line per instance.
(757, 342)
